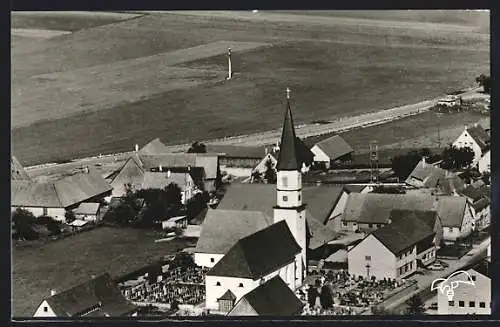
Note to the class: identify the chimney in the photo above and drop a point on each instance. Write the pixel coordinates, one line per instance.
(137, 148)
(53, 292)
(189, 167)
(476, 125)
(230, 68)
(160, 168)
(423, 162)
(86, 170)
(168, 173)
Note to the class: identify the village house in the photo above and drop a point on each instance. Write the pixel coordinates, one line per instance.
(55, 198)
(484, 164)
(97, 297)
(17, 171)
(395, 250)
(129, 177)
(476, 138)
(368, 212)
(160, 180)
(88, 211)
(437, 180)
(272, 298)
(331, 150)
(469, 299)
(252, 261)
(478, 196)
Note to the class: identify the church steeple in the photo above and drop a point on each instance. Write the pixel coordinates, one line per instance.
(288, 159)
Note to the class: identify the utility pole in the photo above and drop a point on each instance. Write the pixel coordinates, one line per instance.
(230, 70)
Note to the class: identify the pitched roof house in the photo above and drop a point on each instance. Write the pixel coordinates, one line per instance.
(426, 175)
(154, 147)
(476, 138)
(331, 149)
(272, 298)
(97, 297)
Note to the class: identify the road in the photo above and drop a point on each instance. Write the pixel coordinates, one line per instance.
(265, 138)
(425, 281)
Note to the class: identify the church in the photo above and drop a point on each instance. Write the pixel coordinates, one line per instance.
(279, 249)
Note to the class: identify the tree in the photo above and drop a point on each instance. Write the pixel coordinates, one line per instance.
(486, 177)
(457, 158)
(196, 204)
(485, 82)
(70, 216)
(173, 195)
(325, 297)
(197, 147)
(52, 225)
(415, 305)
(256, 177)
(23, 222)
(403, 164)
(270, 174)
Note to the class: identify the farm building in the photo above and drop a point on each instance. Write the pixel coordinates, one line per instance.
(17, 171)
(395, 250)
(97, 297)
(129, 176)
(484, 164)
(478, 196)
(237, 156)
(53, 199)
(252, 261)
(368, 212)
(87, 211)
(160, 180)
(330, 150)
(476, 138)
(272, 298)
(469, 299)
(436, 179)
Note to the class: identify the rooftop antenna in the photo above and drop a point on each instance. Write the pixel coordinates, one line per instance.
(230, 70)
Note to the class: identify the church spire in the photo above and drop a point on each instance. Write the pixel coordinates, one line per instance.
(287, 159)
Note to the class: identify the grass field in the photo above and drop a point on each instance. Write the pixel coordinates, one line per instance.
(67, 262)
(335, 67)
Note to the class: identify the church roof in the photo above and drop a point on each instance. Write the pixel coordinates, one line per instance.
(288, 159)
(246, 258)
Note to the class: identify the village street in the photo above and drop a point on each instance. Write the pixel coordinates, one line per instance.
(425, 281)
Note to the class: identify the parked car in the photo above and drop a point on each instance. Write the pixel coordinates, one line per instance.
(436, 266)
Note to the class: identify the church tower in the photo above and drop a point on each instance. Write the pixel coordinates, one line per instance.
(289, 206)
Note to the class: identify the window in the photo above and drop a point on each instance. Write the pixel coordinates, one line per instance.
(285, 198)
(472, 304)
(45, 309)
(241, 285)
(368, 258)
(284, 181)
(451, 303)
(482, 304)
(461, 304)
(217, 284)
(344, 223)
(212, 260)
(370, 225)
(473, 278)
(450, 229)
(45, 211)
(411, 265)
(299, 197)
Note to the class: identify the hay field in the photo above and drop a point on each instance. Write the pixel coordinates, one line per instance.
(335, 66)
(117, 251)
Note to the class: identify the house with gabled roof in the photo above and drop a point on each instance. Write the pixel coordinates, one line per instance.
(272, 298)
(438, 180)
(96, 297)
(252, 261)
(476, 138)
(332, 149)
(129, 176)
(155, 146)
(484, 164)
(160, 180)
(395, 250)
(55, 198)
(478, 196)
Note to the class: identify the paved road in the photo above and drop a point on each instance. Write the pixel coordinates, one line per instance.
(265, 138)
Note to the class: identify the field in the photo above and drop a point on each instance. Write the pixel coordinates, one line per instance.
(117, 81)
(106, 249)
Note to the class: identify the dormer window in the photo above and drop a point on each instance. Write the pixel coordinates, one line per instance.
(217, 284)
(240, 285)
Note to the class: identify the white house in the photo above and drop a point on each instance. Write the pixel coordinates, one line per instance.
(330, 150)
(469, 299)
(484, 164)
(272, 298)
(394, 251)
(478, 197)
(476, 138)
(97, 297)
(252, 261)
(456, 217)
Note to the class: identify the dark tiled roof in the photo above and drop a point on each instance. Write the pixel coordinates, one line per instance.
(474, 192)
(223, 228)
(335, 147)
(17, 171)
(288, 156)
(210, 163)
(100, 293)
(259, 254)
(228, 296)
(403, 233)
(273, 298)
(81, 186)
(322, 200)
(352, 188)
(31, 194)
(451, 210)
(481, 204)
(130, 173)
(161, 180)
(479, 135)
(483, 267)
(428, 217)
(87, 208)
(426, 174)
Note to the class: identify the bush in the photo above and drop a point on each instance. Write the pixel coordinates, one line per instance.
(52, 225)
(23, 221)
(70, 216)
